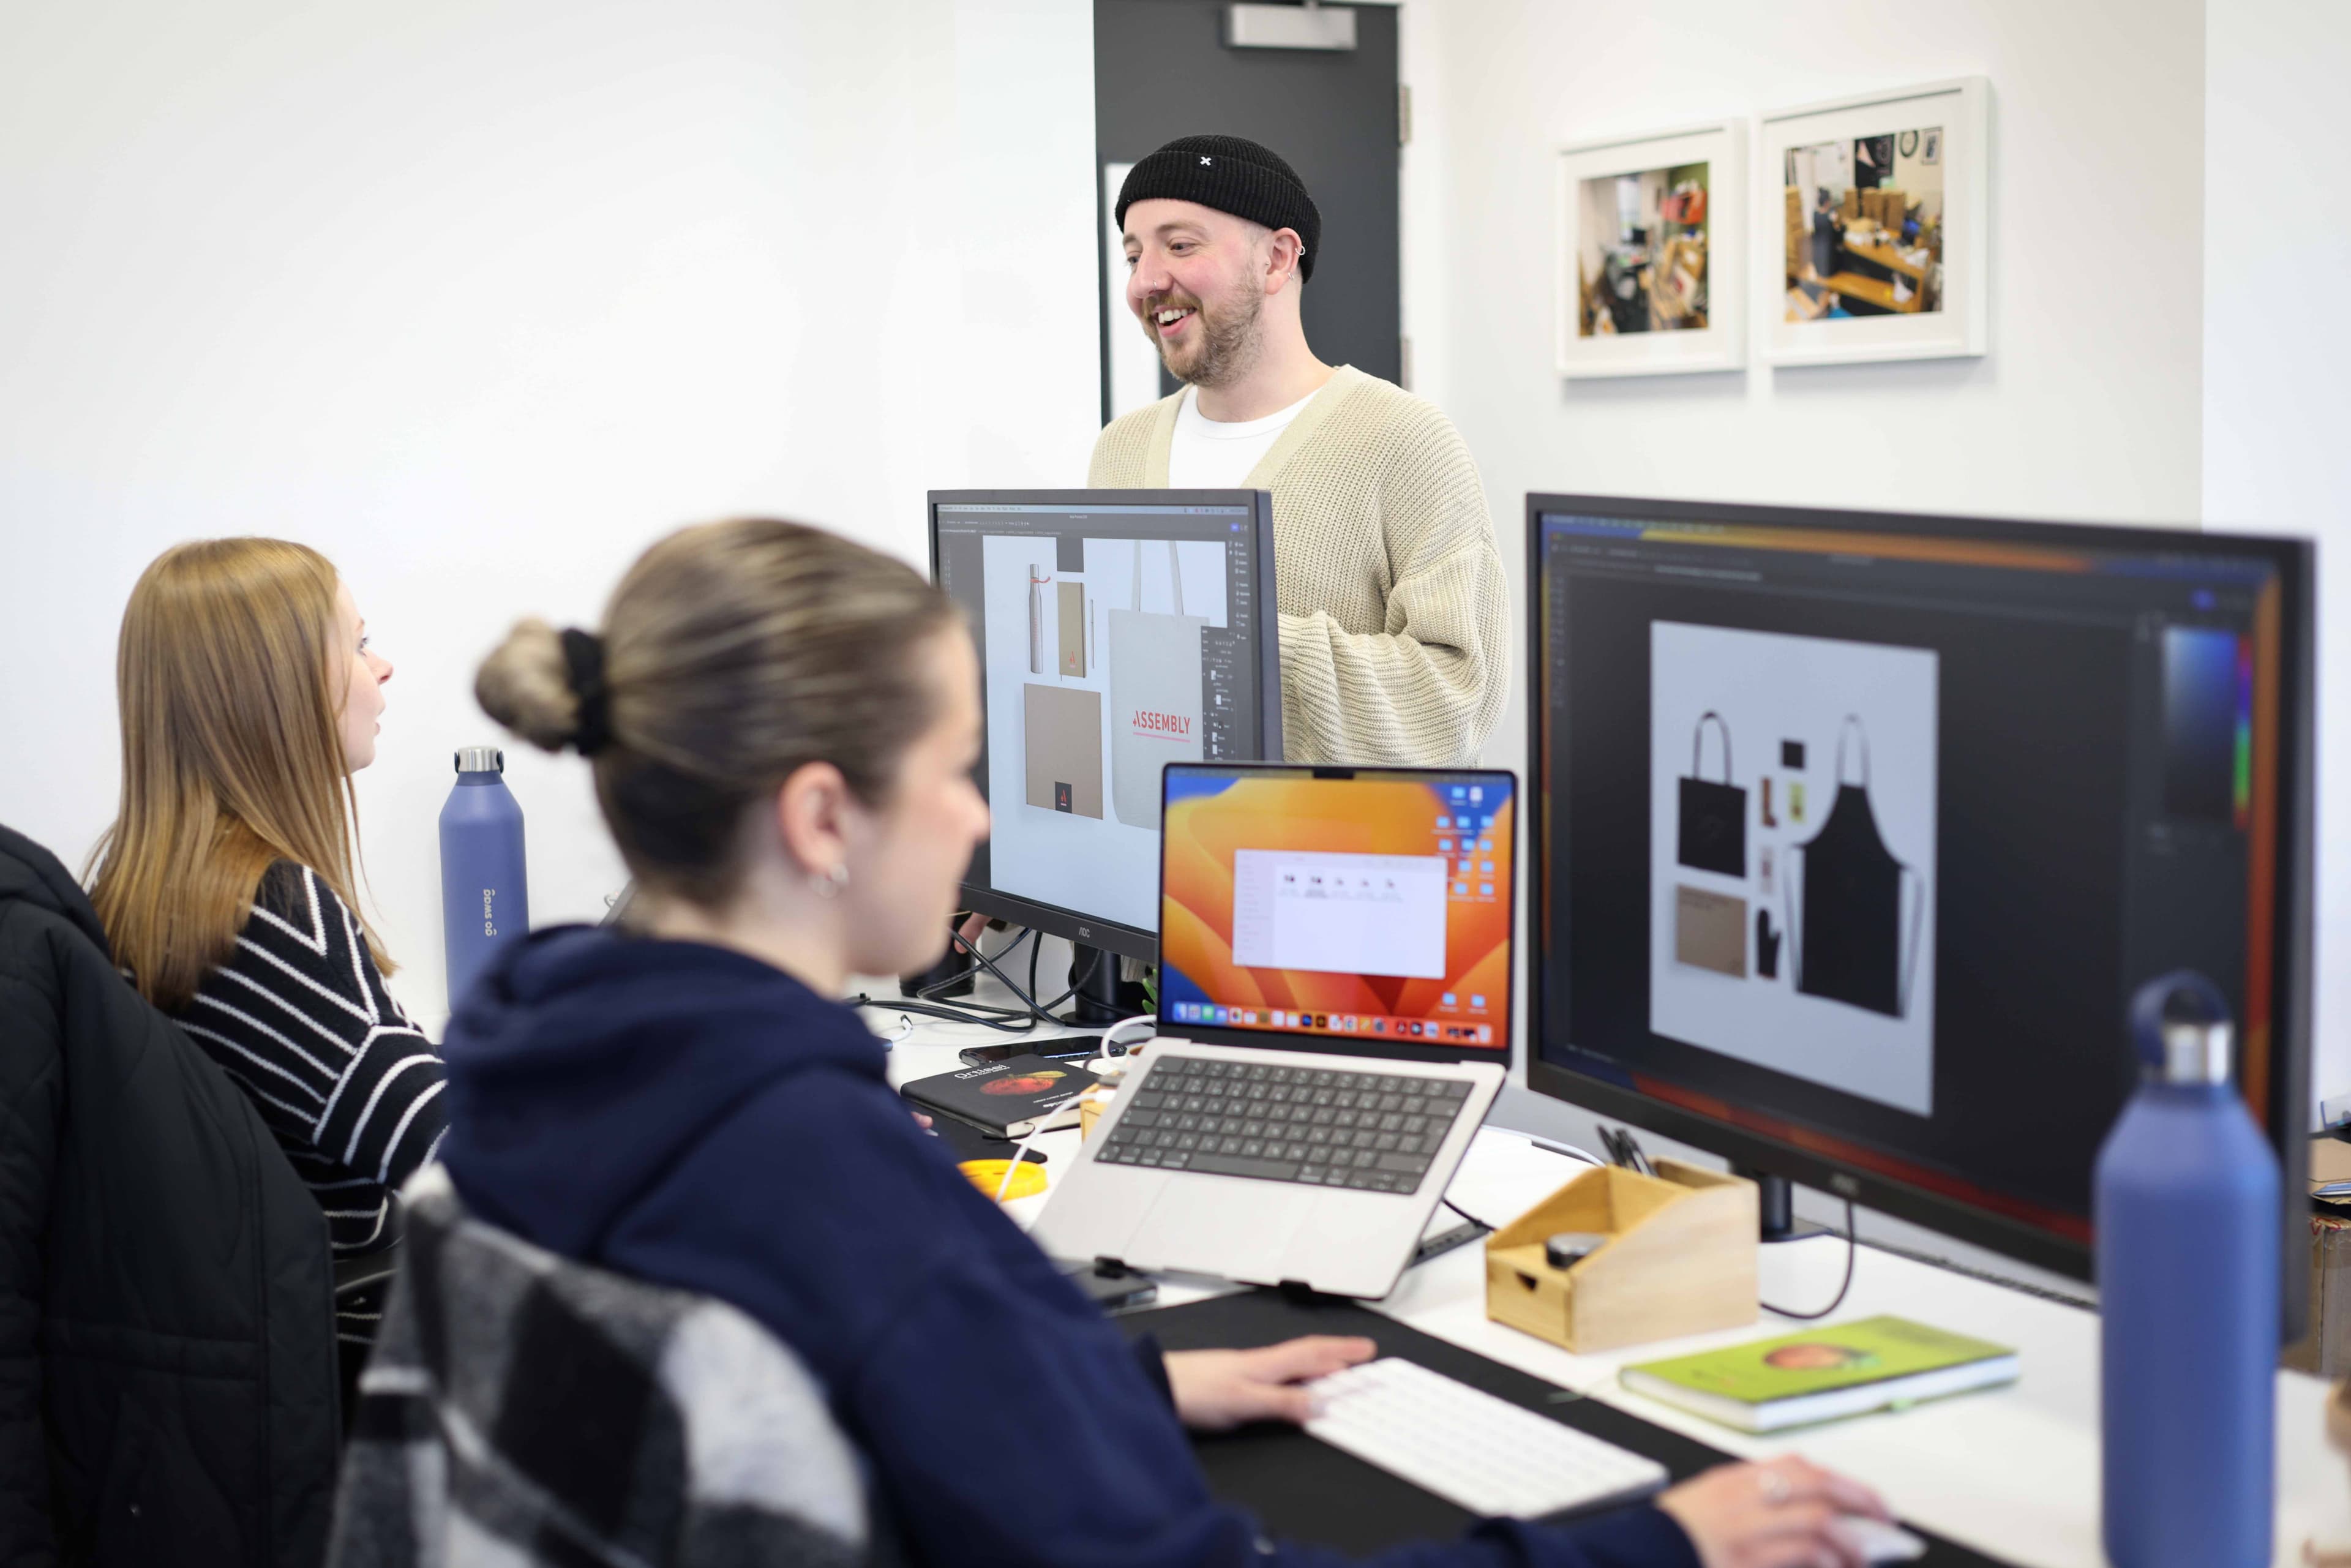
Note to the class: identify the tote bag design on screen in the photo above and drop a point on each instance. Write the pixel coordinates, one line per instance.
(1713, 835)
(1155, 696)
(1062, 743)
(1847, 946)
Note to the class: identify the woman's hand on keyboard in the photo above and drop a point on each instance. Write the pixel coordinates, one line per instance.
(1783, 1514)
(1216, 1390)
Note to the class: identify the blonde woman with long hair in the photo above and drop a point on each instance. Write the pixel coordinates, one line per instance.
(249, 696)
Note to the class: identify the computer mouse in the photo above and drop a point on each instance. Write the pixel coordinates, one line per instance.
(1879, 1541)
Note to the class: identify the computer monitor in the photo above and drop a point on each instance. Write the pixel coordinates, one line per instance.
(1118, 631)
(1853, 833)
(1367, 911)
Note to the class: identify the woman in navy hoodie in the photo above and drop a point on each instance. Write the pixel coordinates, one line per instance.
(783, 727)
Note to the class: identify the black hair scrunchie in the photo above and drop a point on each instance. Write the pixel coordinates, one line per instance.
(583, 660)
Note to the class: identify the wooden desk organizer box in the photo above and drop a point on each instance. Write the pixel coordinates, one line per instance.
(1680, 1261)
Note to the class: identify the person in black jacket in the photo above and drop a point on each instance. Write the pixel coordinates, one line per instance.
(783, 727)
(167, 1363)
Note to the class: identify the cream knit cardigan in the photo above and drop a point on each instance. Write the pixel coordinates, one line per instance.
(1394, 620)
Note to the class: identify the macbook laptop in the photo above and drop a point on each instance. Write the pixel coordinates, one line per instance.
(1335, 953)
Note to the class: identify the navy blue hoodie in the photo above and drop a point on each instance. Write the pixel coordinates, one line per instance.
(689, 1115)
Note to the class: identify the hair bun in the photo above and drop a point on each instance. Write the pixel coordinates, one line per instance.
(526, 685)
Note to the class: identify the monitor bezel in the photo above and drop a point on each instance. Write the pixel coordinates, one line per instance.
(1335, 1044)
(2288, 1111)
(1072, 925)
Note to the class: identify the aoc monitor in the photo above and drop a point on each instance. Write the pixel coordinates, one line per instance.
(1366, 911)
(1118, 631)
(1853, 833)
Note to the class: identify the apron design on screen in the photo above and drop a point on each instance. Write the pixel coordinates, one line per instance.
(1062, 728)
(1713, 835)
(1846, 946)
(1154, 694)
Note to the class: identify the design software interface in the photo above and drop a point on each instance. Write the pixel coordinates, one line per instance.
(1856, 839)
(1113, 640)
(1375, 907)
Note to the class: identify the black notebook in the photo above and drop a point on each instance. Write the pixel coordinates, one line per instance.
(1007, 1098)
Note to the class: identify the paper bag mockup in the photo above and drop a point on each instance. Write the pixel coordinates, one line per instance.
(1710, 931)
(1061, 749)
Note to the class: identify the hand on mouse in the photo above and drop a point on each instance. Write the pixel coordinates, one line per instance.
(1783, 1514)
(1220, 1389)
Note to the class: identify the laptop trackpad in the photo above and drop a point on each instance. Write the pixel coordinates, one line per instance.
(1241, 1231)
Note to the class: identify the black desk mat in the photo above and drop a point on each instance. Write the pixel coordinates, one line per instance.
(1308, 1490)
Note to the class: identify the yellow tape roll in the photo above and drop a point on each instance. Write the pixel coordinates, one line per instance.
(989, 1175)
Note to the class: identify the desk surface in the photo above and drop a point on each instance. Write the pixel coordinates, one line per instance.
(2011, 1471)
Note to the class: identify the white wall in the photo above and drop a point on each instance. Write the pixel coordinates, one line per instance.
(2088, 405)
(479, 298)
(2277, 395)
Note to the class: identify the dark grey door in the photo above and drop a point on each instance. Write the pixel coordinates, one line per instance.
(1162, 69)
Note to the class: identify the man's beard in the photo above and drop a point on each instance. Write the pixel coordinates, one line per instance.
(1228, 346)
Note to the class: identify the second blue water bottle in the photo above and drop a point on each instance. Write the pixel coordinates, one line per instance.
(2188, 1227)
(485, 896)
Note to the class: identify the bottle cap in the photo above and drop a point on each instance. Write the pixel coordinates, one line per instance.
(481, 759)
(2179, 1022)
(2196, 1052)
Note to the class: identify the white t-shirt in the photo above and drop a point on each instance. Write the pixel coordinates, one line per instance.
(1211, 454)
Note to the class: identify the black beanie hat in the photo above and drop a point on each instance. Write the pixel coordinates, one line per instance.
(1232, 175)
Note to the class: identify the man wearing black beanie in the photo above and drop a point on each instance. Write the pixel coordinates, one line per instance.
(1394, 620)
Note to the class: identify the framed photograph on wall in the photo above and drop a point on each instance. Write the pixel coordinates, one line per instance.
(1652, 253)
(1871, 226)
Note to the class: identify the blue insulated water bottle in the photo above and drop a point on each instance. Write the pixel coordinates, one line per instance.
(484, 897)
(2189, 1227)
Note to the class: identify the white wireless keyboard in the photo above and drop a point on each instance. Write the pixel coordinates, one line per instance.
(1478, 1452)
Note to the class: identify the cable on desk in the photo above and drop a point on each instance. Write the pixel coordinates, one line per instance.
(1467, 1215)
(1022, 1023)
(1003, 1020)
(1094, 961)
(1021, 1019)
(1027, 999)
(930, 992)
(1852, 1245)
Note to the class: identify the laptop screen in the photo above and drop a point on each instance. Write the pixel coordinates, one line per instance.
(1368, 907)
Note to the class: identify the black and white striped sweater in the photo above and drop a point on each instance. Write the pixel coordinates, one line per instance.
(299, 1018)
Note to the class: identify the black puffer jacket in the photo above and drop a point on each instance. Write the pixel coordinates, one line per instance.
(167, 1360)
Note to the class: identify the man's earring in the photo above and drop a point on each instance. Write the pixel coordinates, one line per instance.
(832, 881)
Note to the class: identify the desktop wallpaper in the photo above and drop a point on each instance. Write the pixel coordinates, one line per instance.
(1419, 891)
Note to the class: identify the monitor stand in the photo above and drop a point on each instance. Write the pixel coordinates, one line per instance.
(1097, 1000)
(1776, 1201)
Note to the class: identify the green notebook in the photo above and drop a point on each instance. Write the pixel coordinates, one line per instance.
(1822, 1374)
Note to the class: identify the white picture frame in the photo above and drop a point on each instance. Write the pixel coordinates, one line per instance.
(1921, 294)
(1638, 171)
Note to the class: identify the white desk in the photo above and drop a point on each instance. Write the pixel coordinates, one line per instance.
(2010, 1471)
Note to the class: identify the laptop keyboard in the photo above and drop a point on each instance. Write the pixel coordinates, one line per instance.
(1373, 1132)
